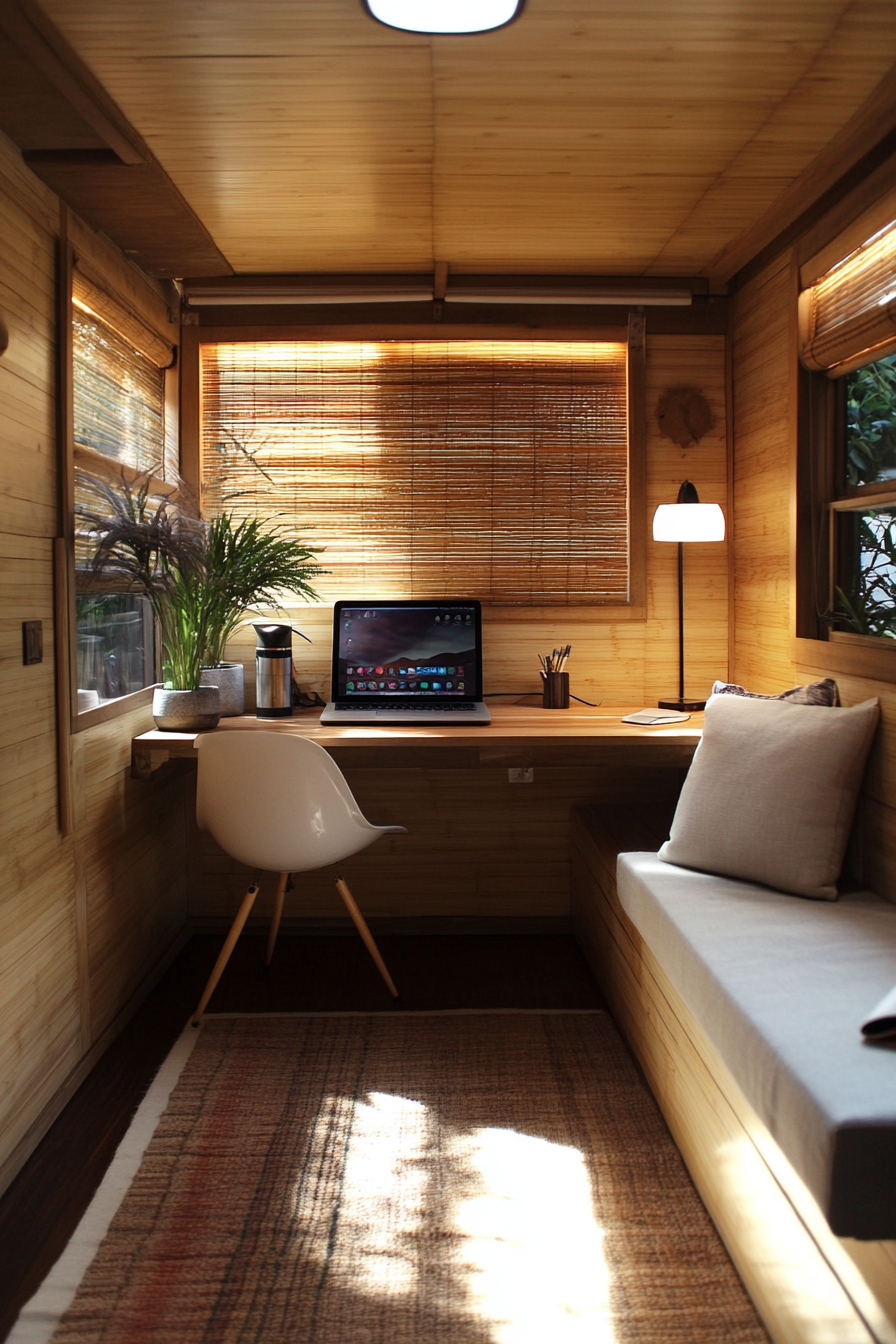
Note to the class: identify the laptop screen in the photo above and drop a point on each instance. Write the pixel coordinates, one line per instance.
(408, 650)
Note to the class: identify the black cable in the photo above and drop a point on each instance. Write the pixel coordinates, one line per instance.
(487, 695)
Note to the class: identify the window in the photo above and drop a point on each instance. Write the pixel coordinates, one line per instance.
(498, 469)
(119, 432)
(848, 455)
(865, 504)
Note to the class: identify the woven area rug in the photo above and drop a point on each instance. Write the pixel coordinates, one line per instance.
(482, 1178)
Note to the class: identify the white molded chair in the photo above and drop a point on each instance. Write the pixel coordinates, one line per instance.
(278, 802)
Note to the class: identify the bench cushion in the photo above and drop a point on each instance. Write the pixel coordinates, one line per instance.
(781, 987)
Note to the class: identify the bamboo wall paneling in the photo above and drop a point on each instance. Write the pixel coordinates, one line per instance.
(764, 360)
(637, 459)
(85, 918)
(27, 694)
(39, 1002)
(134, 864)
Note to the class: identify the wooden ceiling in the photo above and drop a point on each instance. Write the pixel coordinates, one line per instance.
(652, 137)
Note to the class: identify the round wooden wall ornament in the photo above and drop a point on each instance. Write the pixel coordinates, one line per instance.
(684, 415)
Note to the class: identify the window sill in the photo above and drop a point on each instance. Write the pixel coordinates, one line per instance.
(113, 709)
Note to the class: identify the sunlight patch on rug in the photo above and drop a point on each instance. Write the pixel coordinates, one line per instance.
(528, 1251)
(535, 1251)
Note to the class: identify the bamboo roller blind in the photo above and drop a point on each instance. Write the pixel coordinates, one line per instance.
(119, 406)
(92, 298)
(492, 469)
(848, 317)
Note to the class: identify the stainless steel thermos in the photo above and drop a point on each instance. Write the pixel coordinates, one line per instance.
(273, 670)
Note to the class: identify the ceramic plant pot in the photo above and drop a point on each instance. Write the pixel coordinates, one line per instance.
(229, 679)
(186, 711)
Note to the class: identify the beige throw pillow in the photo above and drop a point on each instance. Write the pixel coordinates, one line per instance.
(771, 793)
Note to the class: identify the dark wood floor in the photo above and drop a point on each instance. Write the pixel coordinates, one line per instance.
(42, 1207)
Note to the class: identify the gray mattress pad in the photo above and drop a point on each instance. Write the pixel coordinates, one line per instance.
(781, 985)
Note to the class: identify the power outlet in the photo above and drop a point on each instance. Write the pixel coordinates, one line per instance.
(523, 774)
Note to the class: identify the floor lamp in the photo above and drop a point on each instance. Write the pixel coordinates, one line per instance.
(686, 520)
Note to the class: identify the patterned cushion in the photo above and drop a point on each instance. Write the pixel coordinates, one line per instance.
(816, 693)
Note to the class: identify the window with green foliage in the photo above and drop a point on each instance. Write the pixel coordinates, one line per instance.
(871, 423)
(865, 510)
(119, 426)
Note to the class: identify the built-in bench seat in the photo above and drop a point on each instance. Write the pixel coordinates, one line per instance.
(743, 1007)
(781, 985)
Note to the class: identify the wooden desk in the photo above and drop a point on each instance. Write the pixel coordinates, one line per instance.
(477, 844)
(519, 735)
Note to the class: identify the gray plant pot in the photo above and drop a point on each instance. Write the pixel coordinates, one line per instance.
(186, 711)
(229, 679)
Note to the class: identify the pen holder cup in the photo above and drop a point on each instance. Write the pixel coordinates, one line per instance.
(556, 690)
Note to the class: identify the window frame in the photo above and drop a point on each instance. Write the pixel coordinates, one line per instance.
(821, 497)
(633, 333)
(136, 294)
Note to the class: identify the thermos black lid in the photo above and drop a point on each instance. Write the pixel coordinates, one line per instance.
(273, 636)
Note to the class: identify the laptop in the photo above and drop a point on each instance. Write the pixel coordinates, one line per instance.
(407, 662)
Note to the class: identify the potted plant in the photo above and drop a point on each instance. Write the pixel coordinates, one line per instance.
(152, 546)
(199, 578)
(246, 565)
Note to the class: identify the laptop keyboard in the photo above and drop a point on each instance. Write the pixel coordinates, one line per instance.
(380, 706)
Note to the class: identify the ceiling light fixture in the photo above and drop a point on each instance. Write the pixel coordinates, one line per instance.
(444, 16)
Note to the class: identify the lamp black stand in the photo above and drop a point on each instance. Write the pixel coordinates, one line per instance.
(686, 495)
(688, 706)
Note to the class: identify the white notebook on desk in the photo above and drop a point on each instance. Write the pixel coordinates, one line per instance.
(650, 717)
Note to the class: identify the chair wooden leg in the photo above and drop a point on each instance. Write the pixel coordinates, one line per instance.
(276, 917)
(361, 926)
(236, 929)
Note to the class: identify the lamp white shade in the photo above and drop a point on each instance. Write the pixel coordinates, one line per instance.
(689, 522)
(444, 16)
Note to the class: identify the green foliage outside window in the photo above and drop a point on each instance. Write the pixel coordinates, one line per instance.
(871, 423)
(866, 596)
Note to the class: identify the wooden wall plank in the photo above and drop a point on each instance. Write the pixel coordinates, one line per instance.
(83, 919)
(764, 385)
